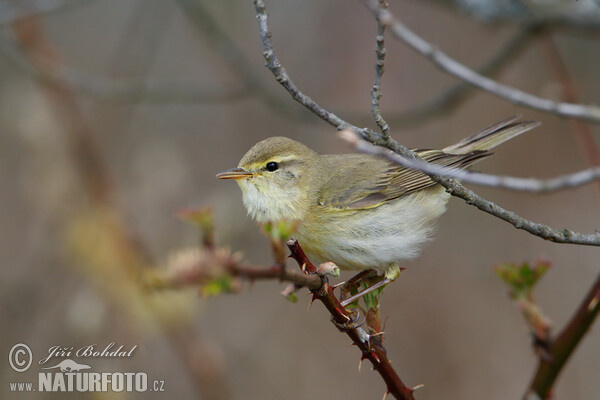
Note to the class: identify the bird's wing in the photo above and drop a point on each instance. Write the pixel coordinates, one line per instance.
(369, 181)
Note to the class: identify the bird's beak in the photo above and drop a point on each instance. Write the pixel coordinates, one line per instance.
(236, 173)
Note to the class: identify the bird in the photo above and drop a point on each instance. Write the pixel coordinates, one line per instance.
(358, 211)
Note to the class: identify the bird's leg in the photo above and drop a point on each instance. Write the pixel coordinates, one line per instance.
(353, 285)
(369, 289)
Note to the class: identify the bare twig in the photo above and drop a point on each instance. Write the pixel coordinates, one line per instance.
(451, 98)
(283, 78)
(564, 345)
(376, 91)
(452, 187)
(344, 320)
(529, 185)
(453, 67)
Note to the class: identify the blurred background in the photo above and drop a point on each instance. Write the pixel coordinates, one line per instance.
(114, 115)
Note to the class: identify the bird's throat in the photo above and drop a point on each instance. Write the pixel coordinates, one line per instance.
(265, 204)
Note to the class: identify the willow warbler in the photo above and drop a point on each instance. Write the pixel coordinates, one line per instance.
(357, 210)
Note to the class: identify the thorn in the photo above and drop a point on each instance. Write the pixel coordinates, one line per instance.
(376, 358)
(593, 304)
(386, 393)
(303, 267)
(360, 363)
(419, 386)
(314, 297)
(377, 334)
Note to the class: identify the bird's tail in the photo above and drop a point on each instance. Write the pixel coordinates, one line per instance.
(492, 136)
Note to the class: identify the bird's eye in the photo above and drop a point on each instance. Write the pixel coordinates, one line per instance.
(272, 166)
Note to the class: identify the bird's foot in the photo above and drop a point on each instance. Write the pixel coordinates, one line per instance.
(351, 323)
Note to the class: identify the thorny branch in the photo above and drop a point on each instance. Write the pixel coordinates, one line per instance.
(453, 67)
(216, 264)
(529, 185)
(343, 319)
(452, 187)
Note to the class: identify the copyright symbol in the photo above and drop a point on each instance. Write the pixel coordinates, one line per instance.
(20, 357)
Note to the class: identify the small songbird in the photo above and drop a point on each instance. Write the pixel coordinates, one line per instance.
(359, 211)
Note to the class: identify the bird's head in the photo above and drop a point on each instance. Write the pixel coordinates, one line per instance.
(275, 179)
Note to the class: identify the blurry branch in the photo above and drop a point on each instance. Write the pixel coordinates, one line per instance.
(553, 352)
(582, 132)
(452, 187)
(451, 98)
(148, 91)
(218, 269)
(522, 278)
(101, 239)
(225, 46)
(529, 185)
(453, 67)
(10, 13)
(51, 72)
(580, 14)
(80, 137)
(564, 345)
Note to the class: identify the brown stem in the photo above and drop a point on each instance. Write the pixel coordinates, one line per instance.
(582, 131)
(565, 344)
(343, 319)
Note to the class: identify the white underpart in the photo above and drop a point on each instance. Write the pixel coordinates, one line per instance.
(277, 205)
(381, 237)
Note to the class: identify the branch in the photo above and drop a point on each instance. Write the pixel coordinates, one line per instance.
(453, 67)
(582, 132)
(10, 13)
(117, 89)
(124, 251)
(283, 78)
(451, 98)
(205, 268)
(376, 91)
(529, 185)
(452, 187)
(564, 345)
(343, 319)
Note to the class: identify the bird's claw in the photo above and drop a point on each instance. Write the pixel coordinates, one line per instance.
(350, 324)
